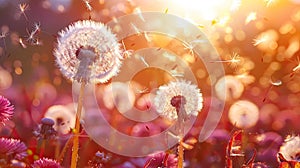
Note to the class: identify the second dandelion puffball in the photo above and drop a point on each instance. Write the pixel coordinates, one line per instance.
(87, 51)
(183, 92)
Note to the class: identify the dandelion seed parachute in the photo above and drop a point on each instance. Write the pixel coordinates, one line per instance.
(243, 114)
(88, 51)
(165, 93)
(229, 87)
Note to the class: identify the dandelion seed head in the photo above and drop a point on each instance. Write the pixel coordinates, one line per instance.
(120, 96)
(64, 119)
(6, 109)
(45, 163)
(229, 88)
(5, 79)
(166, 93)
(13, 148)
(243, 114)
(251, 17)
(88, 51)
(290, 149)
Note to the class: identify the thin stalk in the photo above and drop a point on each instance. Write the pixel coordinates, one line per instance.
(75, 147)
(62, 153)
(42, 148)
(180, 112)
(57, 148)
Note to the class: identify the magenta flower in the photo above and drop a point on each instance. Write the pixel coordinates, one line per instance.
(6, 109)
(12, 148)
(45, 163)
(161, 159)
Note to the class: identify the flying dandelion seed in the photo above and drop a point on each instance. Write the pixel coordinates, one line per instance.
(3, 36)
(251, 17)
(138, 32)
(235, 5)
(233, 62)
(260, 39)
(297, 68)
(165, 93)
(126, 53)
(269, 2)
(144, 61)
(88, 51)
(190, 48)
(138, 11)
(290, 149)
(267, 41)
(229, 88)
(22, 43)
(23, 7)
(6, 109)
(88, 5)
(243, 114)
(31, 39)
(273, 83)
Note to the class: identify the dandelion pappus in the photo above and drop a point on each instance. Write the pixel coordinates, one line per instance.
(144, 61)
(23, 7)
(273, 83)
(126, 53)
(3, 35)
(88, 5)
(235, 59)
(22, 43)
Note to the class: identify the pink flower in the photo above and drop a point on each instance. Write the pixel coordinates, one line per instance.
(13, 148)
(6, 109)
(45, 163)
(161, 159)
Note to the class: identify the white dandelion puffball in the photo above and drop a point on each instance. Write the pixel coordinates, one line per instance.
(119, 95)
(243, 114)
(165, 93)
(63, 117)
(88, 51)
(229, 87)
(290, 149)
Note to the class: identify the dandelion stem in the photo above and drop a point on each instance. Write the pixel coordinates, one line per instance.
(181, 135)
(62, 153)
(180, 154)
(77, 128)
(57, 148)
(42, 148)
(178, 102)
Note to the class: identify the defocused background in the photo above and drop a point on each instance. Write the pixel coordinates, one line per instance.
(263, 35)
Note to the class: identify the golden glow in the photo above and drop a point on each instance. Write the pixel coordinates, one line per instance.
(206, 10)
